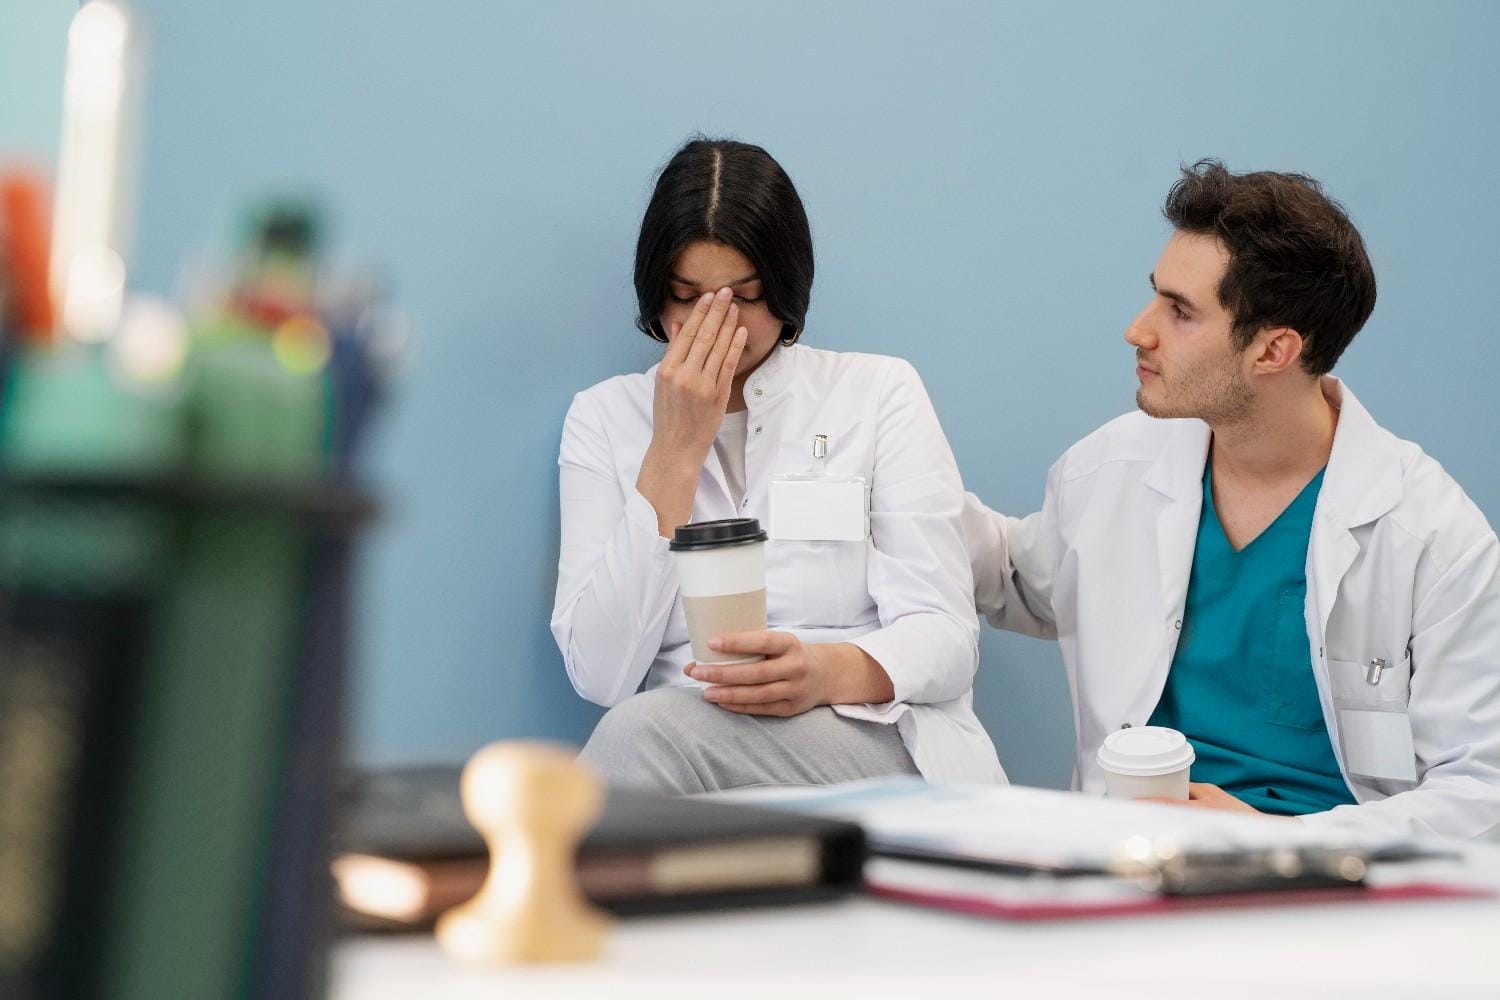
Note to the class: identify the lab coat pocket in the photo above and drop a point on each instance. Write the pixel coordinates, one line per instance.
(820, 583)
(842, 451)
(812, 584)
(1370, 703)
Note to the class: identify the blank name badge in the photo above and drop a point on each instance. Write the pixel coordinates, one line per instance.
(817, 508)
(1378, 744)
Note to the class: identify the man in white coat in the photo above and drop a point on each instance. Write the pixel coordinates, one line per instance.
(1252, 559)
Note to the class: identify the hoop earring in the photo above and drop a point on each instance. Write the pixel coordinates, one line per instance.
(657, 333)
(789, 334)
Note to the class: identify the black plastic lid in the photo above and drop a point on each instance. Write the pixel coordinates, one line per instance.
(717, 534)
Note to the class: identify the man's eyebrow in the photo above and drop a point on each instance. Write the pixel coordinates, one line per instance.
(1167, 293)
(752, 276)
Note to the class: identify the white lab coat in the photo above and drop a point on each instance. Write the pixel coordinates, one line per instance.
(1401, 565)
(904, 596)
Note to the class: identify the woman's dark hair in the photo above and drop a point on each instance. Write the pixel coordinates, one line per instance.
(1295, 259)
(734, 194)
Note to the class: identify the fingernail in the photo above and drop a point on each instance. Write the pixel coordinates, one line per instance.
(725, 293)
(706, 299)
(716, 643)
(711, 694)
(741, 334)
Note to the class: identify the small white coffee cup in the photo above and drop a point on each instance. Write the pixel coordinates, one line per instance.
(1146, 762)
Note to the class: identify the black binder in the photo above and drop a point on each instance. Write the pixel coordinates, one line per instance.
(649, 853)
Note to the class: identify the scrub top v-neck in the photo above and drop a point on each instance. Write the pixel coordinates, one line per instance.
(1241, 686)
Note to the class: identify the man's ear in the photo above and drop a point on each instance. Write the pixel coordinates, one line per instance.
(1278, 348)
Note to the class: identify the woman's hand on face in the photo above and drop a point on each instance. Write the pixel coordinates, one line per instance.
(694, 381)
(692, 391)
(789, 681)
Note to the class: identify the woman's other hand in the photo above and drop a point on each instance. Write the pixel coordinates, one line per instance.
(793, 677)
(693, 384)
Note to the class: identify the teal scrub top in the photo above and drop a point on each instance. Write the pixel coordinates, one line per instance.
(1241, 685)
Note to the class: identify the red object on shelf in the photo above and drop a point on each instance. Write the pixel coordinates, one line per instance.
(25, 244)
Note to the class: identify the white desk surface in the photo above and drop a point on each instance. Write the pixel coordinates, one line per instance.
(864, 947)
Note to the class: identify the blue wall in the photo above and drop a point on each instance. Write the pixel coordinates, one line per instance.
(33, 42)
(984, 182)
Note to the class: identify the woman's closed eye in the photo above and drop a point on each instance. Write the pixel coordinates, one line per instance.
(743, 300)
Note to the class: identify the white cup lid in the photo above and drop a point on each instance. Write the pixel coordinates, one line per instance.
(1145, 750)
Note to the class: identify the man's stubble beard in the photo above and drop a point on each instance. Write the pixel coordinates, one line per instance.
(1217, 394)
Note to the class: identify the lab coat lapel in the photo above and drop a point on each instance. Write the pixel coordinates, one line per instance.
(768, 392)
(1363, 482)
(1177, 475)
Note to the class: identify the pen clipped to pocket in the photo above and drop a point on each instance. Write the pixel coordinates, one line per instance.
(819, 507)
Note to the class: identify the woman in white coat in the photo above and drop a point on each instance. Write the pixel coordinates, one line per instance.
(872, 646)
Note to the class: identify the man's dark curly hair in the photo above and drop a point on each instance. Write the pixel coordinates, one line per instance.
(1295, 259)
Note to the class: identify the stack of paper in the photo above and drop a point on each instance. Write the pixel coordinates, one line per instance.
(1028, 852)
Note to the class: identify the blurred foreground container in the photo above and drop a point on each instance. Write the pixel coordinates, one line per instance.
(174, 618)
(176, 535)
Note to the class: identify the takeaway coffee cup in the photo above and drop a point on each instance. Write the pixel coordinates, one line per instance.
(721, 567)
(1146, 762)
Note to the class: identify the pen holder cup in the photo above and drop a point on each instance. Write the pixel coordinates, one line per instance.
(173, 659)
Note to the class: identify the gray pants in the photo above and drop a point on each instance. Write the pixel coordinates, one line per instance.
(671, 740)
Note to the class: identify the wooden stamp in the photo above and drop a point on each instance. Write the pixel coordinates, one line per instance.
(533, 802)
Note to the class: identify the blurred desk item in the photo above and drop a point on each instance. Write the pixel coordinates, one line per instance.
(869, 948)
(407, 853)
(532, 802)
(1348, 942)
(1030, 853)
(1034, 829)
(173, 655)
(178, 518)
(175, 602)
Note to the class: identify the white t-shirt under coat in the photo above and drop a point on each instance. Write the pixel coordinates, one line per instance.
(729, 445)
